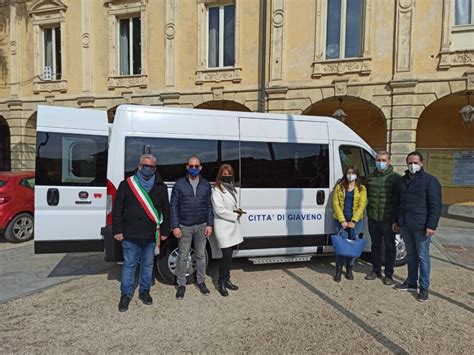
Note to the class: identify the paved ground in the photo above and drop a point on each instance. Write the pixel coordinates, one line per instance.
(280, 308)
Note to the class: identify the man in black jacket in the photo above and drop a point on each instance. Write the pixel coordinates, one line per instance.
(140, 216)
(191, 219)
(418, 209)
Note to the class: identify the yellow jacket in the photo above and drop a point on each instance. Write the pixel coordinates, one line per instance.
(360, 201)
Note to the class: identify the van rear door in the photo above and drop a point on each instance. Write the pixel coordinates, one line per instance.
(71, 179)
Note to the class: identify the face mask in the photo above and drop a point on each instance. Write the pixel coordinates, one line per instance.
(147, 171)
(414, 168)
(194, 171)
(226, 179)
(351, 177)
(381, 165)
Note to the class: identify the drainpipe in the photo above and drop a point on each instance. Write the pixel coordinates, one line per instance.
(262, 55)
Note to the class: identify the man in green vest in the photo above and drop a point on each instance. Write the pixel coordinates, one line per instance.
(381, 191)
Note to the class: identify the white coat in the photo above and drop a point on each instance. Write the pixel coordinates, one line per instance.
(226, 224)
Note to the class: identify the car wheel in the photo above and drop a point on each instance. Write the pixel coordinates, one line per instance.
(167, 263)
(401, 251)
(20, 229)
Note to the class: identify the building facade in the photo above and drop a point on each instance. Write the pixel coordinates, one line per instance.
(400, 69)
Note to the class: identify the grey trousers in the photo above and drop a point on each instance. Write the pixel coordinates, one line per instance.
(195, 232)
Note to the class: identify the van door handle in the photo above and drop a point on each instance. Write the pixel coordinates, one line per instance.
(320, 197)
(52, 197)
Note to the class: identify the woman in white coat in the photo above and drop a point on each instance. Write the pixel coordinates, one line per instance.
(226, 224)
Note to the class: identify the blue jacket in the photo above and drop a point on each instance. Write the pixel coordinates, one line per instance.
(418, 201)
(187, 209)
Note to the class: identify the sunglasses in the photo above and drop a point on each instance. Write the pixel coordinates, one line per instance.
(194, 166)
(148, 166)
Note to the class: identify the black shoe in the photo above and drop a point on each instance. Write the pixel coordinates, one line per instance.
(387, 280)
(349, 275)
(180, 292)
(222, 289)
(406, 287)
(337, 277)
(373, 275)
(123, 304)
(145, 298)
(203, 288)
(231, 286)
(423, 295)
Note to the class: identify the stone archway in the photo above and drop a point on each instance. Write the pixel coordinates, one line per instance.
(30, 142)
(224, 105)
(363, 117)
(5, 152)
(448, 147)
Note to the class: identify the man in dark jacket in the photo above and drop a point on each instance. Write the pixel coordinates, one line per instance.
(191, 219)
(381, 188)
(133, 225)
(418, 209)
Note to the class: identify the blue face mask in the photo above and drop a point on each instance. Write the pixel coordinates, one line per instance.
(381, 165)
(194, 171)
(147, 171)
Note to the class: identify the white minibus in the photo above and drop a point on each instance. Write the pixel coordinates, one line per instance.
(286, 167)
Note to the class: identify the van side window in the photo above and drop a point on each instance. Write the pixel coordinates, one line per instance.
(64, 159)
(352, 156)
(284, 165)
(369, 162)
(172, 155)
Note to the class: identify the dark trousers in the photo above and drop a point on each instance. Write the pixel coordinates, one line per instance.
(225, 264)
(381, 232)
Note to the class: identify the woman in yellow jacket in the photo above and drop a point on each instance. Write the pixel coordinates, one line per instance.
(349, 201)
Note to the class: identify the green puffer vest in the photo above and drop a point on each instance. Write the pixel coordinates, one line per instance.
(381, 189)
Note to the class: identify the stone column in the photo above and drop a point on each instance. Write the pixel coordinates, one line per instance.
(86, 99)
(170, 43)
(404, 120)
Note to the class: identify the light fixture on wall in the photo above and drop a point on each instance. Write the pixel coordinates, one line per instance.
(467, 112)
(339, 114)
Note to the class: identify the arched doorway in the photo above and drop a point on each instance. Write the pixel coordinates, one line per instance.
(224, 105)
(362, 117)
(5, 155)
(448, 147)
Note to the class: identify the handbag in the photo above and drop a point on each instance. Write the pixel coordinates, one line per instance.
(343, 246)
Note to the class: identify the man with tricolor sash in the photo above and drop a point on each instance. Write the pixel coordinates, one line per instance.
(140, 220)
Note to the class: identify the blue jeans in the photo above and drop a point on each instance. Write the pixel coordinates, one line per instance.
(135, 250)
(348, 233)
(418, 255)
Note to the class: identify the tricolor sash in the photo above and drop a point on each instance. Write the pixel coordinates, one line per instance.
(147, 204)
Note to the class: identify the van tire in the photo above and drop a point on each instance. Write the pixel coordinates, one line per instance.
(20, 229)
(166, 262)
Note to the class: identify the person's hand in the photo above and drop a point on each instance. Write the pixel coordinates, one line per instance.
(395, 228)
(118, 237)
(177, 233)
(208, 231)
(351, 224)
(345, 225)
(430, 232)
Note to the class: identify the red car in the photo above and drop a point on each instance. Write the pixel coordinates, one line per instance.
(17, 193)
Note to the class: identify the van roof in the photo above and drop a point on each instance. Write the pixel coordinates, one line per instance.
(338, 129)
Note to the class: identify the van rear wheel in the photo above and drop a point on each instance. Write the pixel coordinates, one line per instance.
(167, 263)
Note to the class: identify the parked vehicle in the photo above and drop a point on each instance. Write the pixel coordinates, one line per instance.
(286, 166)
(17, 205)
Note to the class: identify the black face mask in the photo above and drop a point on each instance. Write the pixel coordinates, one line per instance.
(226, 179)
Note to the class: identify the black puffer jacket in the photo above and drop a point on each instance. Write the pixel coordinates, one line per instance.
(130, 219)
(418, 201)
(187, 209)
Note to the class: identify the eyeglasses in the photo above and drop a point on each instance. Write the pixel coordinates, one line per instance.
(194, 166)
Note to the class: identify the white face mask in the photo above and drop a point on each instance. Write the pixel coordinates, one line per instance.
(414, 168)
(351, 177)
